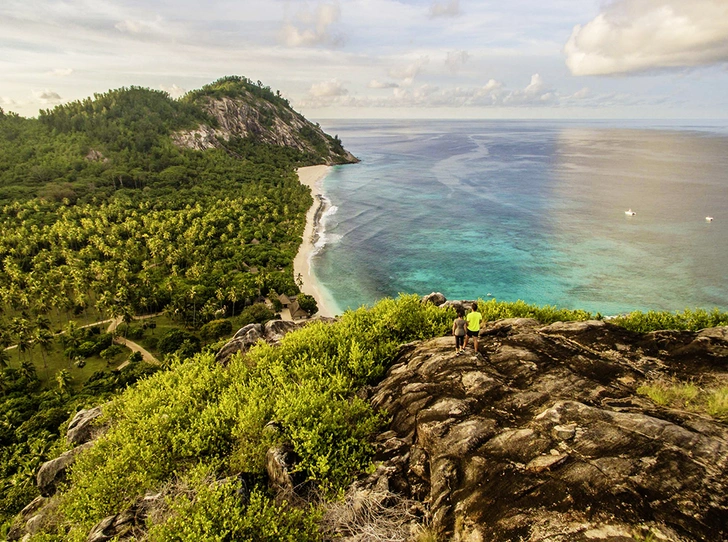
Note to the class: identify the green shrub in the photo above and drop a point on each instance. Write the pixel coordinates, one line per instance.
(135, 357)
(134, 333)
(174, 339)
(217, 511)
(258, 313)
(691, 320)
(110, 352)
(307, 303)
(48, 419)
(215, 329)
(498, 310)
(201, 414)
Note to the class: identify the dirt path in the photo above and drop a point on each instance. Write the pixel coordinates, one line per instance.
(113, 324)
(134, 347)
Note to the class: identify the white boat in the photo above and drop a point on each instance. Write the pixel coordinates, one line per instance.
(630, 212)
(709, 219)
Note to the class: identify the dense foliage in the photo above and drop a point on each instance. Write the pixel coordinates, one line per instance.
(103, 215)
(200, 422)
(32, 419)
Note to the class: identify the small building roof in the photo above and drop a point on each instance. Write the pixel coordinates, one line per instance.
(297, 313)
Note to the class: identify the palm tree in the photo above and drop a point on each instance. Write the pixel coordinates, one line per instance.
(42, 322)
(27, 370)
(4, 382)
(44, 339)
(25, 342)
(72, 335)
(63, 379)
(233, 296)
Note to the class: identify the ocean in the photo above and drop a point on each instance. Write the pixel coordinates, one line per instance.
(530, 210)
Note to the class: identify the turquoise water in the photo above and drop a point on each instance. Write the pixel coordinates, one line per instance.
(529, 210)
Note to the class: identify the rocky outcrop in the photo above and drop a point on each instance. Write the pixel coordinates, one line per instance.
(251, 117)
(29, 521)
(436, 298)
(541, 435)
(280, 463)
(128, 525)
(271, 332)
(53, 472)
(81, 428)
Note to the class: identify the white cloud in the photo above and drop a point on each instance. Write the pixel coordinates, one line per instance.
(451, 8)
(493, 94)
(581, 94)
(130, 26)
(379, 84)
(535, 86)
(406, 74)
(455, 59)
(7, 102)
(314, 28)
(47, 97)
(492, 85)
(640, 35)
(536, 93)
(174, 91)
(61, 72)
(328, 89)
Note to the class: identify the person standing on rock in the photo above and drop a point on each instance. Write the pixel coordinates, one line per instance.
(459, 327)
(473, 318)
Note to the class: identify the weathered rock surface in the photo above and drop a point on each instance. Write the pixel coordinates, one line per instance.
(81, 429)
(271, 332)
(436, 298)
(263, 121)
(54, 471)
(128, 525)
(280, 463)
(28, 521)
(542, 436)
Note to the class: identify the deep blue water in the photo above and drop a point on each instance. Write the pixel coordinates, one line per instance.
(531, 210)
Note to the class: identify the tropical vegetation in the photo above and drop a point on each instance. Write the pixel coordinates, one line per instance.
(104, 217)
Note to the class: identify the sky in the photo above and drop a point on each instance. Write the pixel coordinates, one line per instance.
(381, 58)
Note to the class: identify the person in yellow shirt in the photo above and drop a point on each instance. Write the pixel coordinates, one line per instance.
(473, 318)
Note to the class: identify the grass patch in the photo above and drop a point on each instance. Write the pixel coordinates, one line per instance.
(689, 320)
(688, 396)
(717, 403)
(55, 361)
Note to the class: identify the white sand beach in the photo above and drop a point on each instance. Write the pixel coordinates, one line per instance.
(311, 176)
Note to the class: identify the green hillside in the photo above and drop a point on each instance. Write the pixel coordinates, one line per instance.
(104, 215)
(107, 213)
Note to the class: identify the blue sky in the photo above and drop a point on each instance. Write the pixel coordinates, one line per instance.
(381, 58)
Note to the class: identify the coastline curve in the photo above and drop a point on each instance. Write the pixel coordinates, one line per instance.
(313, 177)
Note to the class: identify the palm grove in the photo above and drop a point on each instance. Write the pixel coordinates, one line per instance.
(103, 216)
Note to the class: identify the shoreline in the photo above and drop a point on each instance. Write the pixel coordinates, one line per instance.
(313, 177)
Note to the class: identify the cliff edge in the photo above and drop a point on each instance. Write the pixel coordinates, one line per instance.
(542, 435)
(238, 108)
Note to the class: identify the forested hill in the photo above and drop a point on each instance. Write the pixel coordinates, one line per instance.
(136, 137)
(106, 213)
